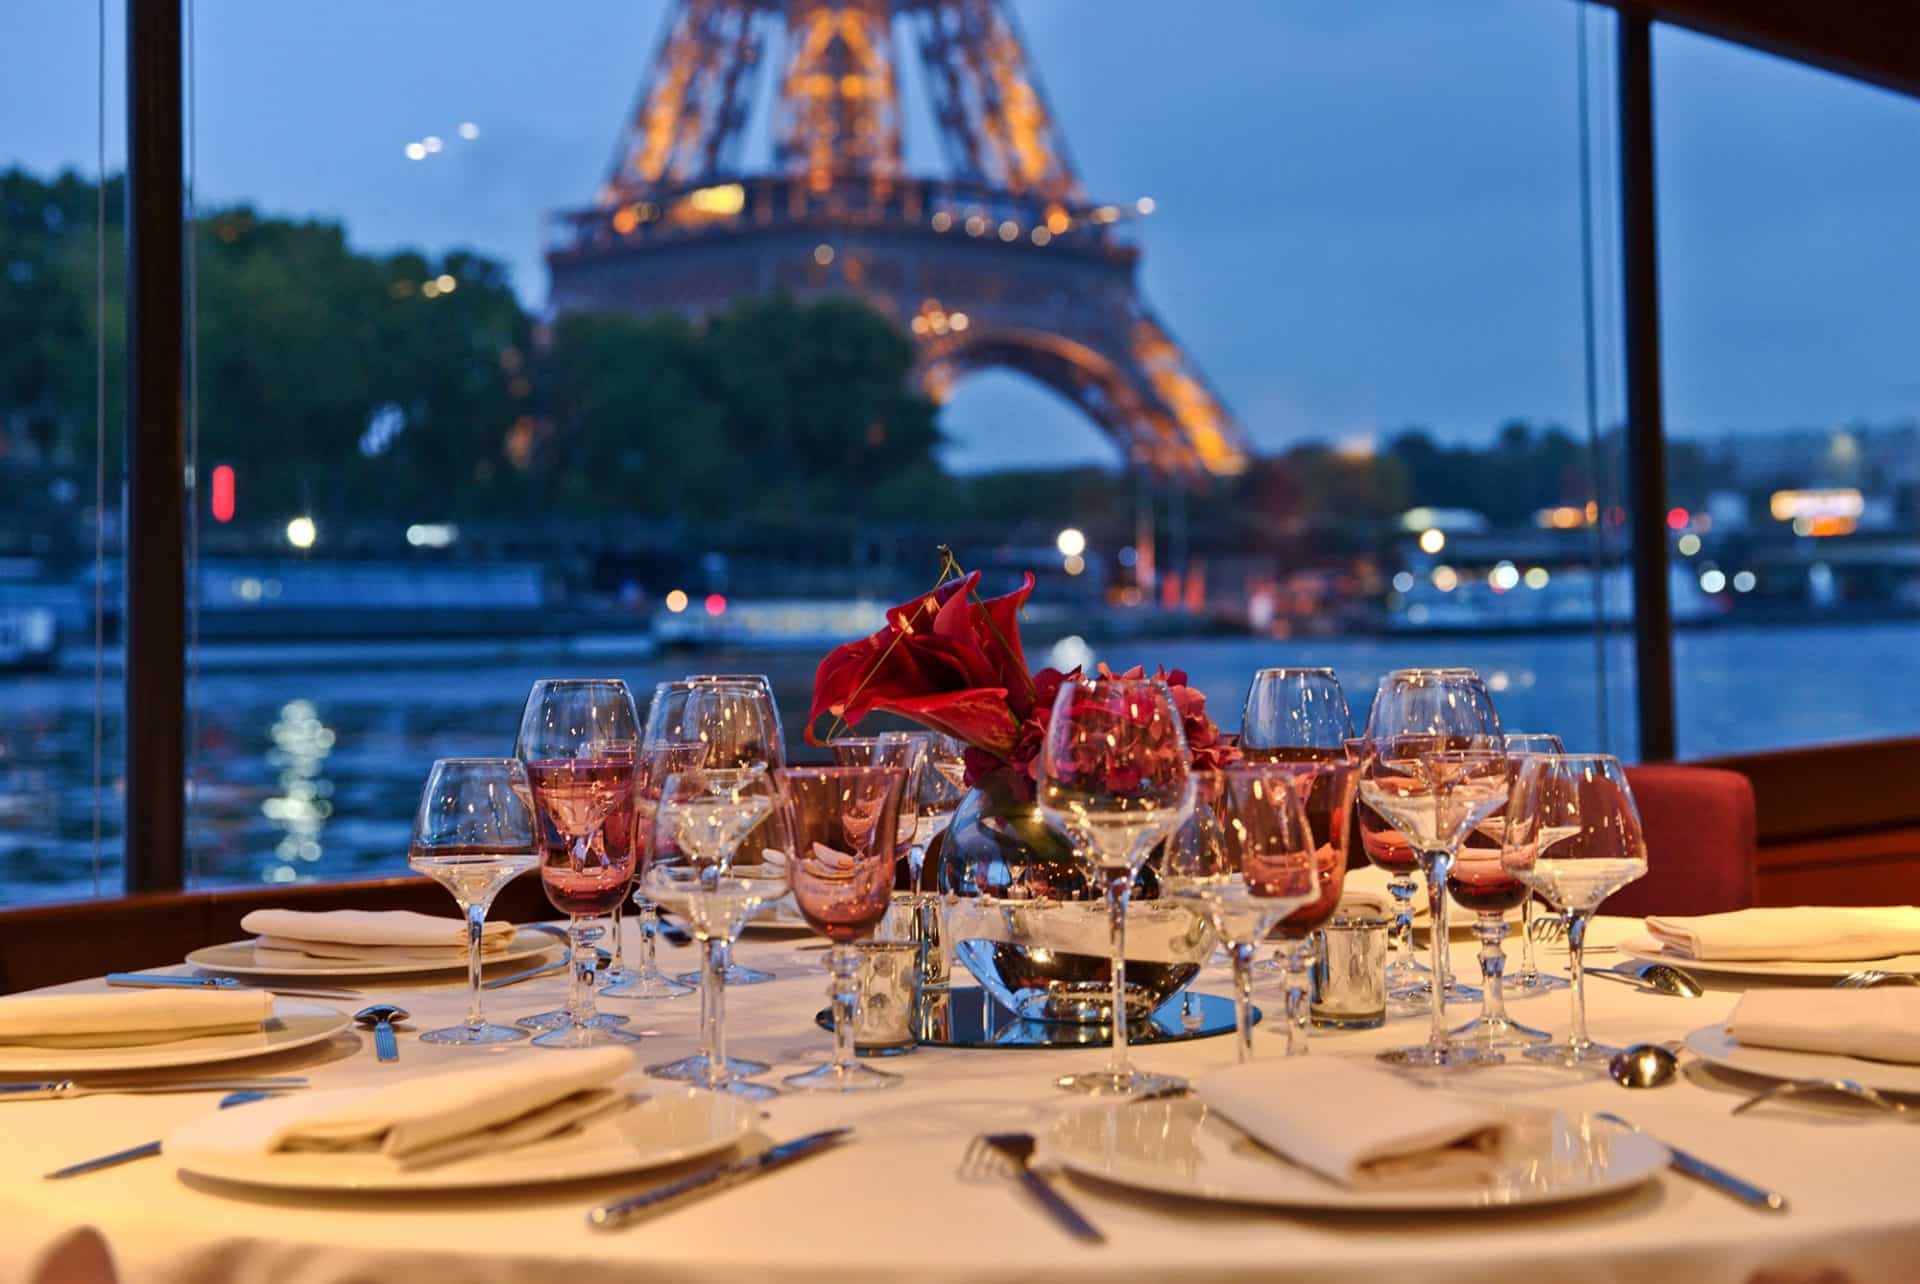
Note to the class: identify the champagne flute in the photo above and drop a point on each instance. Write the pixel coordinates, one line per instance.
(700, 822)
(1114, 778)
(1325, 791)
(1530, 979)
(578, 739)
(845, 829)
(1573, 835)
(473, 834)
(1261, 866)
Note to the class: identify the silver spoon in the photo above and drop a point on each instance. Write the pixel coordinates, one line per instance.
(381, 1016)
(1644, 1065)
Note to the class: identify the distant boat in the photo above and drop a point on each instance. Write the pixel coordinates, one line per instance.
(29, 638)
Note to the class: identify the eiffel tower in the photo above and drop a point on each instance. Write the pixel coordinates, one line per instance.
(1002, 262)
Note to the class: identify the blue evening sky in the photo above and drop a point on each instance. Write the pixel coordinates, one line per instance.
(1368, 211)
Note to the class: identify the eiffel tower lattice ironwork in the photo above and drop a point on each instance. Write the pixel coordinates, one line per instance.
(1001, 262)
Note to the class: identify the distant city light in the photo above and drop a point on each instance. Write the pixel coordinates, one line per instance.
(222, 496)
(1071, 542)
(301, 532)
(432, 534)
(1432, 540)
(1041, 236)
(727, 198)
(1712, 581)
(1445, 578)
(677, 601)
(1009, 231)
(1786, 505)
(942, 221)
(1744, 581)
(1145, 205)
(1503, 577)
(416, 151)
(823, 254)
(976, 225)
(958, 320)
(430, 288)
(432, 143)
(1688, 544)
(1537, 577)
(1677, 518)
(1074, 564)
(716, 604)
(446, 282)
(1403, 582)
(469, 130)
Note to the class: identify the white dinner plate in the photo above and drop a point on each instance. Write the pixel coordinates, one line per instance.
(236, 958)
(1182, 1148)
(294, 1024)
(1712, 1044)
(1650, 950)
(665, 1125)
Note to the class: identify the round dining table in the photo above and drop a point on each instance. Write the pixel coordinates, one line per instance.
(892, 1202)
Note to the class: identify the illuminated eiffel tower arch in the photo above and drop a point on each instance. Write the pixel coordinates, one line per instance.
(1003, 261)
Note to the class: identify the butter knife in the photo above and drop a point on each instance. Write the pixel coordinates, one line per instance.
(174, 981)
(1712, 1174)
(624, 1212)
(62, 1089)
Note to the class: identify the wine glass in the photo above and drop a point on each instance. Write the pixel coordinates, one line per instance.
(657, 762)
(1325, 791)
(1386, 848)
(1260, 867)
(1573, 835)
(777, 740)
(1479, 881)
(473, 834)
(1295, 715)
(1434, 768)
(845, 830)
(578, 739)
(1530, 979)
(700, 822)
(1114, 778)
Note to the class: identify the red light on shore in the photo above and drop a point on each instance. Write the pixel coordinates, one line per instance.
(222, 496)
(1677, 519)
(716, 605)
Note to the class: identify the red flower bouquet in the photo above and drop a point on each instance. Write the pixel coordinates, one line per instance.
(952, 661)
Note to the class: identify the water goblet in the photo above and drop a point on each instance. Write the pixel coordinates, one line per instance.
(1573, 835)
(1530, 979)
(1295, 715)
(578, 739)
(1479, 881)
(845, 829)
(906, 751)
(657, 763)
(776, 751)
(473, 834)
(1114, 779)
(1261, 866)
(1386, 848)
(1325, 791)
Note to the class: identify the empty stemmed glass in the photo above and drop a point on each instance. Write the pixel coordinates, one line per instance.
(1529, 979)
(1325, 791)
(578, 739)
(1114, 778)
(473, 834)
(1387, 849)
(1478, 880)
(906, 752)
(1573, 835)
(1295, 715)
(657, 764)
(1260, 866)
(845, 823)
(699, 824)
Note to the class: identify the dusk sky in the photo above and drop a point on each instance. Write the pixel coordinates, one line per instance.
(1367, 212)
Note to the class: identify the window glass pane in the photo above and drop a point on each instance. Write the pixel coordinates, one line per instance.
(746, 382)
(1790, 295)
(61, 271)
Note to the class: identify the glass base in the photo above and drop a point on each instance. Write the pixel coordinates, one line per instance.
(1127, 1083)
(1447, 1056)
(1501, 1034)
(554, 1018)
(693, 1069)
(474, 1036)
(1538, 983)
(1574, 1056)
(736, 975)
(745, 1089)
(638, 985)
(833, 1078)
(585, 1036)
(1421, 993)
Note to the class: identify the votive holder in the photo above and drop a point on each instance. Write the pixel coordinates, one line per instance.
(889, 981)
(1350, 971)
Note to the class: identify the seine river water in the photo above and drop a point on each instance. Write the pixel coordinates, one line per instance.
(308, 766)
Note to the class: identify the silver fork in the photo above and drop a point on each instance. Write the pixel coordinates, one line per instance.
(1844, 1087)
(1003, 1154)
(1868, 977)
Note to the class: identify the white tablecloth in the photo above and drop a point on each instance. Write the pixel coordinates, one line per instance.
(890, 1204)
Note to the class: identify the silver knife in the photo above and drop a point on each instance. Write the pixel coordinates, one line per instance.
(1712, 1174)
(624, 1212)
(142, 1151)
(62, 1089)
(174, 981)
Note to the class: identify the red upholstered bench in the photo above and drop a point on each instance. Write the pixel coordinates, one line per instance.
(1701, 853)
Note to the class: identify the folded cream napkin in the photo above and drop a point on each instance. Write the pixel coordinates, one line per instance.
(1803, 933)
(130, 1018)
(367, 936)
(1879, 1025)
(1385, 1131)
(435, 1118)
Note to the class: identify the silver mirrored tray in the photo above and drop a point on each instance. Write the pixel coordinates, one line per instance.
(969, 1018)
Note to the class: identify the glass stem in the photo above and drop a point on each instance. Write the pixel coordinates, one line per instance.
(1529, 972)
(1576, 945)
(1299, 996)
(476, 928)
(1242, 956)
(713, 1012)
(844, 989)
(581, 934)
(619, 954)
(1435, 865)
(649, 929)
(1492, 930)
(1119, 889)
(1400, 933)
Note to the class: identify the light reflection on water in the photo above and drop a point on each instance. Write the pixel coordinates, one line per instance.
(314, 772)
